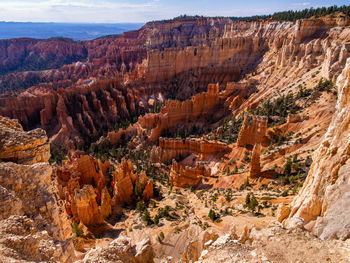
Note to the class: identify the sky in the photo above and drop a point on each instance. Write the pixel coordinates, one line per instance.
(118, 11)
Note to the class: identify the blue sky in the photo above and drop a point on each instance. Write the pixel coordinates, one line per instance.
(111, 11)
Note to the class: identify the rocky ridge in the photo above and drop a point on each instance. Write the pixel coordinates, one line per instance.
(321, 204)
(31, 228)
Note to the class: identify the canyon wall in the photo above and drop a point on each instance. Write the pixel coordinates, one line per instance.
(322, 204)
(177, 58)
(74, 114)
(183, 114)
(22, 54)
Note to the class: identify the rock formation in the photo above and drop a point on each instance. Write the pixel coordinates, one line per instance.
(322, 204)
(253, 131)
(255, 168)
(174, 116)
(177, 148)
(238, 92)
(34, 147)
(182, 114)
(114, 81)
(73, 115)
(30, 225)
(125, 181)
(187, 176)
(82, 184)
(121, 250)
(195, 248)
(181, 56)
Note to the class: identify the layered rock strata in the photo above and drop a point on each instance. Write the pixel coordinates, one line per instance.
(33, 147)
(169, 149)
(178, 56)
(182, 114)
(76, 114)
(174, 116)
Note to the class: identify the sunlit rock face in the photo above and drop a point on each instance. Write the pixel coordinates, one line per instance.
(91, 193)
(322, 204)
(22, 147)
(28, 211)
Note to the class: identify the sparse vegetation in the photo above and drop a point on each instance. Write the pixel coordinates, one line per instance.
(215, 217)
(251, 202)
(76, 230)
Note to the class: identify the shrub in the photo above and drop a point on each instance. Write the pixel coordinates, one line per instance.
(140, 207)
(76, 230)
(285, 193)
(146, 217)
(138, 190)
(251, 202)
(288, 167)
(213, 216)
(156, 219)
(246, 184)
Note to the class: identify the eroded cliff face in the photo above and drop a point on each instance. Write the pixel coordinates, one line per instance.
(174, 57)
(33, 54)
(30, 222)
(75, 114)
(91, 193)
(322, 204)
(177, 148)
(174, 116)
(82, 184)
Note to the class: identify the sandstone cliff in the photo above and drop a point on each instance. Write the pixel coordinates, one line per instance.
(172, 57)
(30, 221)
(253, 131)
(322, 204)
(177, 148)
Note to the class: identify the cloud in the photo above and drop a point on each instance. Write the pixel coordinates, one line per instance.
(76, 11)
(302, 4)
